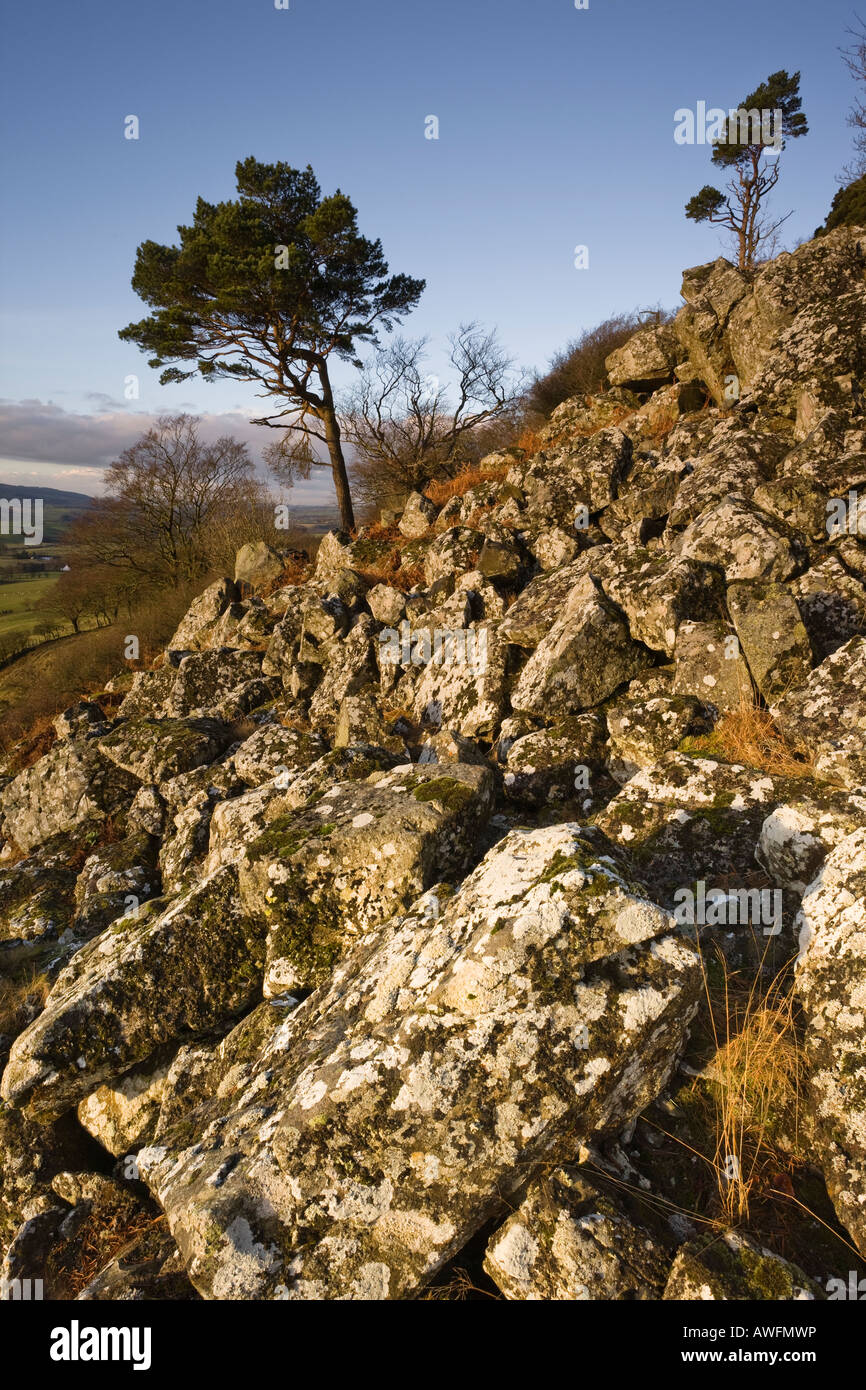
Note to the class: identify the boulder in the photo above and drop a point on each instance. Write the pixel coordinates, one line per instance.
(386, 604)
(36, 902)
(556, 764)
(193, 632)
(418, 516)
(222, 683)
(660, 593)
(153, 750)
(582, 474)
(798, 835)
(275, 751)
(832, 605)
(772, 636)
(84, 718)
(73, 785)
(324, 874)
(736, 1267)
(647, 360)
(569, 1241)
(160, 975)
(585, 655)
(641, 730)
(257, 564)
(826, 716)
(452, 1056)
(742, 541)
(710, 666)
(831, 986)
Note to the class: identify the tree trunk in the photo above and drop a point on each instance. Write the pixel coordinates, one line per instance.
(335, 450)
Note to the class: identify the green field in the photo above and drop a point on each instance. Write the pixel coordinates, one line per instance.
(22, 605)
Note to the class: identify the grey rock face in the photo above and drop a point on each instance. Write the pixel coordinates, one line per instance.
(736, 1268)
(74, 783)
(158, 976)
(586, 654)
(257, 564)
(827, 715)
(195, 628)
(569, 1241)
(556, 764)
(418, 515)
(710, 665)
(646, 360)
(322, 875)
(442, 1048)
(772, 635)
(831, 984)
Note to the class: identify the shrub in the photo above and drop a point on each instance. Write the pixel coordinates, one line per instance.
(578, 370)
(848, 208)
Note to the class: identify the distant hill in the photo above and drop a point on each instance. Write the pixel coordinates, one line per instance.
(315, 518)
(51, 496)
(60, 509)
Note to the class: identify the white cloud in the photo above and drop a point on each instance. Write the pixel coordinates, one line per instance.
(41, 441)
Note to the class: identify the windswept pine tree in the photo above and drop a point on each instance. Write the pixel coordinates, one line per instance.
(269, 288)
(749, 147)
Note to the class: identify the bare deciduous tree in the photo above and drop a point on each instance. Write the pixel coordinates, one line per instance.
(406, 427)
(166, 494)
(855, 61)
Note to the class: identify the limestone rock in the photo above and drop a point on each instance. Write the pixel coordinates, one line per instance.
(202, 616)
(710, 666)
(736, 1267)
(569, 1241)
(772, 635)
(257, 564)
(73, 784)
(448, 1060)
(827, 715)
(586, 654)
(149, 979)
(831, 985)
(418, 516)
(322, 875)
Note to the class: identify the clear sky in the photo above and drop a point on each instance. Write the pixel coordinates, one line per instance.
(555, 130)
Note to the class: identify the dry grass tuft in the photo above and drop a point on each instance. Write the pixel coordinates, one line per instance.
(442, 490)
(529, 441)
(748, 735)
(101, 1241)
(662, 426)
(754, 1081)
(391, 570)
(294, 572)
(460, 1288)
(34, 742)
(20, 1000)
(382, 531)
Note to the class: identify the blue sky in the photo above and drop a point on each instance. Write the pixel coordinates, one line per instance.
(556, 129)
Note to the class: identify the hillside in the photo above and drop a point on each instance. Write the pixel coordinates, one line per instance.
(480, 909)
(59, 510)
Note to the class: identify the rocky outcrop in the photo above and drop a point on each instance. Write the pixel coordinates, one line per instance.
(378, 924)
(405, 1098)
(831, 983)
